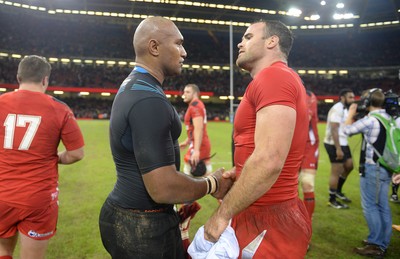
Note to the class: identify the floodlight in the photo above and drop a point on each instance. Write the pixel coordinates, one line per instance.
(294, 12)
(314, 17)
(340, 5)
(348, 15)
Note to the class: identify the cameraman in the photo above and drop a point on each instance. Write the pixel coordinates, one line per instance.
(395, 184)
(375, 180)
(392, 107)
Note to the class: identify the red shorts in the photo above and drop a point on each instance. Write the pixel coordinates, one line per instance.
(280, 230)
(311, 155)
(38, 224)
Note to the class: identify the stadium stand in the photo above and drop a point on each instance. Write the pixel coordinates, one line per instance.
(369, 60)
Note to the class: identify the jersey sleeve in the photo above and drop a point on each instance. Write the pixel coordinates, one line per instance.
(337, 115)
(151, 123)
(274, 87)
(71, 134)
(196, 110)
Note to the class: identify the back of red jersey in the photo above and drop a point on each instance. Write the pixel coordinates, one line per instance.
(32, 125)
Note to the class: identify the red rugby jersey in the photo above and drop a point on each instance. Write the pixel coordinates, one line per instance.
(197, 109)
(32, 125)
(275, 85)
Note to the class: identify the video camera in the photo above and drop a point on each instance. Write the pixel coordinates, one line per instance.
(391, 105)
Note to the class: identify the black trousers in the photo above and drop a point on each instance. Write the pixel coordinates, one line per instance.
(142, 235)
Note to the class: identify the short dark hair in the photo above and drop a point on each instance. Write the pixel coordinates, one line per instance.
(194, 87)
(345, 91)
(285, 35)
(32, 69)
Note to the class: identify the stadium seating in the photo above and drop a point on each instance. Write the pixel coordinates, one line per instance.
(370, 56)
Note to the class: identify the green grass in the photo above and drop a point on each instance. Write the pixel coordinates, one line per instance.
(85, 185)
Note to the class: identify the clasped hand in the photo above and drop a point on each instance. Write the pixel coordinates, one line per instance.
(225, 181)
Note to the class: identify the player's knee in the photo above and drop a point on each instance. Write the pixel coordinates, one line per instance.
(348, 166)
(307, 181)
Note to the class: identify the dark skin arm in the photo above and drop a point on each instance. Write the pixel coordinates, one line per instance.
(166, 185)
(335, 136)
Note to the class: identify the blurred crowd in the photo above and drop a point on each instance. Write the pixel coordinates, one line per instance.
(78, 37)
(102, 39)
(216, 81)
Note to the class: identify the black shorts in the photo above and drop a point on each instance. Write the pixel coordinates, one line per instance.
(331, 150)
(142, 235)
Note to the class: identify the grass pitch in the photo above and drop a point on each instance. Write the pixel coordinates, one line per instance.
(85, 185)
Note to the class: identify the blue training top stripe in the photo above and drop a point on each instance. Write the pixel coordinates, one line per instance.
(144, 82)
(138, 87)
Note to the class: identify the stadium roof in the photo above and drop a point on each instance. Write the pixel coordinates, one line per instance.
(356, 11)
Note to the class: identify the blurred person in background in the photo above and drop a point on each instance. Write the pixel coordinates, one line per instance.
(138, 219)
(375, 179)
(34, 123)
(270, 132)
(337, 147)
(198, 154)
(396, 178)
(395, 185)
(196, 126)
(309, 164)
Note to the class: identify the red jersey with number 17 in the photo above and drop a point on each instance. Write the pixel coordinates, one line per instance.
(31, 127)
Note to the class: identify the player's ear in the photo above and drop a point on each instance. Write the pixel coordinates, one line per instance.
(154, 47)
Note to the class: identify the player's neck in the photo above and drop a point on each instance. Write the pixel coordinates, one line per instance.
(154, 72)
(33, 87)
(264, 63)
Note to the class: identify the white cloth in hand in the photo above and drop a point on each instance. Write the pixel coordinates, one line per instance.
(227, 247)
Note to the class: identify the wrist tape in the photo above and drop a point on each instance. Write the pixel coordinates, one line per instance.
(212, 184)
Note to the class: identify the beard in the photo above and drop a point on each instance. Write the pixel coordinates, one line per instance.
(347, 104)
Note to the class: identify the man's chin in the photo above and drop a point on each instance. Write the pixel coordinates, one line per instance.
(241, 64)
(175, 73)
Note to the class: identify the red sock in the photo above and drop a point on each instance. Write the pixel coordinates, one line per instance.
(309, 201)
(5, 257)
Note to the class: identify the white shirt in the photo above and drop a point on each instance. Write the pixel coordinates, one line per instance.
(227, 246)
(337, 114)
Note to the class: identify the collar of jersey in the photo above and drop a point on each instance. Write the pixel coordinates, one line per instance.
(140, 70)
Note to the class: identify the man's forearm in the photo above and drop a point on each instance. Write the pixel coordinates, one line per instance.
(68, 157)
(198, 133)
(256, 179)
